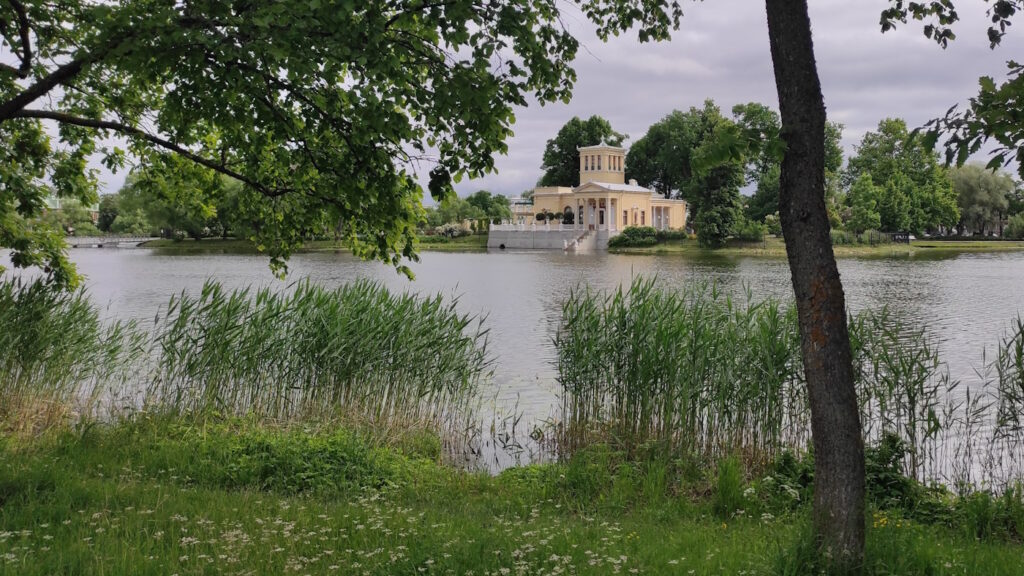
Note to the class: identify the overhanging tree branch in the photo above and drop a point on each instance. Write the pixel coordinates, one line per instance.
(12, 107)
(26, 44)
(132, 131)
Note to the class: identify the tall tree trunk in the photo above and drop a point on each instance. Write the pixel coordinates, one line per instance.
(821, 306)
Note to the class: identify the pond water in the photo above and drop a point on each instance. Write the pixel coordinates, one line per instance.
(965, 301)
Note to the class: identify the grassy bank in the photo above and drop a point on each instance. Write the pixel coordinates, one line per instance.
(312, 430)
(776, 248)
(161, 497)
(473, 243)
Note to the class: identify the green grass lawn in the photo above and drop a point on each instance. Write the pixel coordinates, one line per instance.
(776, 248)
(163, 498)
(473, 243)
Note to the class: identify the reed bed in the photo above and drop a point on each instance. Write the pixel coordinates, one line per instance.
(695, 372)
(308, 352)
(56, 356)
(311, 350)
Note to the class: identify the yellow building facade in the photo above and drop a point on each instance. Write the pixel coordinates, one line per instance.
(604, 201)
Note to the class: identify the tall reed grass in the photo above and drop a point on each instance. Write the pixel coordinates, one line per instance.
(695, 372)
(309, 351)
(313, 350)
(692, 370)
(56, 355)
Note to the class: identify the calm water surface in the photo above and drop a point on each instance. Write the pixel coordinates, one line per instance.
(965, 301)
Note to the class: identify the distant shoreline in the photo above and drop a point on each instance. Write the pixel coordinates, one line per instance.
(770, 248)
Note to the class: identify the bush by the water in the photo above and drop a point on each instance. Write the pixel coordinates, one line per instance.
(56, 355)
(749, 230)
(1015, 227)
(633, 236)
(869, 237)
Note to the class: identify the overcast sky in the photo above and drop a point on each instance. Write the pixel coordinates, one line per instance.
(721, 52)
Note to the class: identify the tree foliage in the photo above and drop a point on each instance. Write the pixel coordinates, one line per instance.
(917, 193)
(662, 158)
(765, 199)
(321, 110)
(983, 196)
(863, 199)
(686, 154)
(561, 163)
(994, 115)
(493, 206)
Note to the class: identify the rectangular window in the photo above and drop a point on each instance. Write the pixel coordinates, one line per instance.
(625, 217)
(643, 215)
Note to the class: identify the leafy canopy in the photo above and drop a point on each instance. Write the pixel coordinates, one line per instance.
(916, 191)
(561, 163)
(994, 115)
(322, 110)
(983, 196)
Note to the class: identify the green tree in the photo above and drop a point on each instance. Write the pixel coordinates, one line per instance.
(1015, 202)
(561, 163)
(321, 110)
(176, 195)
(687, 153)
(453, 210)
(760, 124)
(132, 223)
(923, 197)
(1015, 227)
(765, 199)
(493, 206)
(863, 199)
(108, 212)
(662, 158)
(714, 194)
(983, 196)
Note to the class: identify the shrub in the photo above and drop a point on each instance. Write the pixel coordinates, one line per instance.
(1015, 227)
(451, 231)
(843, 238)
(886, 482)
(748, 231)
(666, 235)
(635, 236)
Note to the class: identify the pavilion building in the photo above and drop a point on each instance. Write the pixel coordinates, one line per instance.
(592, 212)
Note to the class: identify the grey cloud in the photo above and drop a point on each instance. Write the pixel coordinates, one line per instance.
(722, 53)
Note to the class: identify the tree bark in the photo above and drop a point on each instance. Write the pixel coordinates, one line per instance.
(821, 307)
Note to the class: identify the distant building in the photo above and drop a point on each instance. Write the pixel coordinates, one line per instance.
(54, 202)
(522, 210)
(593, 211)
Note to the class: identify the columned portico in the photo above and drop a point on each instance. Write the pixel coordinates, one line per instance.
(600, 206)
